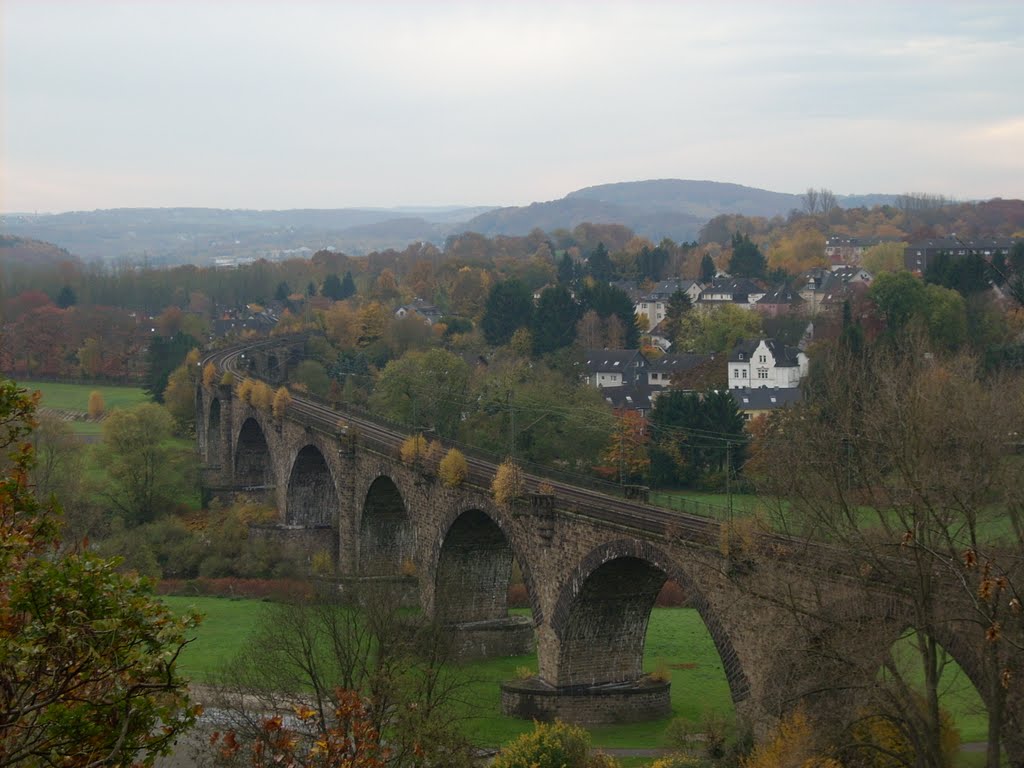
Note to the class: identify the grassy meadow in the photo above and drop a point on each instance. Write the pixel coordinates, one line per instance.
(677, 643)
(74, 399)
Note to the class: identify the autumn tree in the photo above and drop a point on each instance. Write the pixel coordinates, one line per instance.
(364, 663)
(453, 469)
(282, 399)
(625, 457)
(718, 330)
(508, 483)
(96, 407)
(925, 503)
(89, 661)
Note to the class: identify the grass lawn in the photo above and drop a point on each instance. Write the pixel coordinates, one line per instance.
(75, 397)
(677, 640)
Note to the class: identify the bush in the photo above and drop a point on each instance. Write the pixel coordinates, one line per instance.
(96, 405)
(414, 449)
(672, 596)
(548, 745)
(262, 396)
(453, 469)
(282, 399)
(244, 390)
(508, 482)
(793, 745)
(209, 375)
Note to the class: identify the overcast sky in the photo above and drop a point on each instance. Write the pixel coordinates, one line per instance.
(295, 104)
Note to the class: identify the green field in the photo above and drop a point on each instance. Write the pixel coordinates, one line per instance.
(75, 397)
(677, 641)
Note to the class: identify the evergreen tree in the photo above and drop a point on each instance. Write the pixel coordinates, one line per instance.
(331, 288)
(707, 269)
(282, 291)
(747, 259)
(311, 289)
(678, 305)
(600, 265)
(164, 355)
(509, 307)
(566, 270)
(348, 285)
(66, 297)
(554, 321)
(607, 300)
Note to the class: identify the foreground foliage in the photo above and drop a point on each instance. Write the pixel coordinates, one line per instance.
(87, 655)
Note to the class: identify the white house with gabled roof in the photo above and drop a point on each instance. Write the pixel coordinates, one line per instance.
(766, 363)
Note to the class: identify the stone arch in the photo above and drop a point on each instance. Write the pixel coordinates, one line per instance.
(601, 616)
(472, 562)
(213, 433)
(253, 467)
(853, 637)
(312, 499)
(387, 539)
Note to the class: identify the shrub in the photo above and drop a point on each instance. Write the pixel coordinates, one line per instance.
(244, 390)
(453, 469)
(262, 396)
(672, 596)
(546, 488)
(96, 405)
(282, 399)
(322, 564)
(679, 761)
(548, 745)
(793, 744)
(883, 743)
(414, 448)
(508, 482)
(518, 597)
(228, 379)
(209, 375)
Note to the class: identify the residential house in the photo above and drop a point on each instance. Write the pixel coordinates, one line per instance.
(654, 304)
(428, 313)
(917, 256)
(783, 300)
(615, 367)
(766, 363)
(826, 288)
(755, 402)
(843, 249)
(632, 397)
(661, 371)
(741, 291)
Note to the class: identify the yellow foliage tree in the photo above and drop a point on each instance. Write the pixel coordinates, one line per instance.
(262, 396)
(414, 448)
(453, 469)
(209, 375)
(508, 482)
(244, 390)
(96, 405)
(282, 398)
(793, 745)
(548, 745)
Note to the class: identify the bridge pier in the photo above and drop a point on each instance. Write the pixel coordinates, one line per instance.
(492, 638)
(627, 702)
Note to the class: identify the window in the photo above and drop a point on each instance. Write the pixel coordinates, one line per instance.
(762, 373)
(736, 373)
(761, 359)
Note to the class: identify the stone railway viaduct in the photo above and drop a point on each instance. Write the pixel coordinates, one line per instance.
(592, 571)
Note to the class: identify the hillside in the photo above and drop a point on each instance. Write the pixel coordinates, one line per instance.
(656, 209)
(32, 254)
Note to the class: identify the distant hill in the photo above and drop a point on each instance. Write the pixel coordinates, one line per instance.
(32, 254)
(655, 209)
(199, 235)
